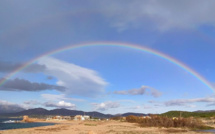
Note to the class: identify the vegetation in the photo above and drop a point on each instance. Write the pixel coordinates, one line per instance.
(89, 124)
(188, 114)
(116, 118)
(161, 121)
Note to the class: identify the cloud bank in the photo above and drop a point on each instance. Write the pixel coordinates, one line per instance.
(77, 80)
(25, 85)
(8, 107)
(162, 15)
(139, 91)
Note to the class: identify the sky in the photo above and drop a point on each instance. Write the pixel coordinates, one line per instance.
(104, 74)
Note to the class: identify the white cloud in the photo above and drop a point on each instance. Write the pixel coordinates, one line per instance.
(162, 15)
(60, 104)
(54, 97)
(105, 105)
(77, 80)
(139, 91)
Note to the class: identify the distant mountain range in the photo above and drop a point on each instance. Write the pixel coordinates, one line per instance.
(65, 112)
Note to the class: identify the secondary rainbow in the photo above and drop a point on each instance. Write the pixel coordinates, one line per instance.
(115, 44)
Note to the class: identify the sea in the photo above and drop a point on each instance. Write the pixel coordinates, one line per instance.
(208, 131)
(10, 123)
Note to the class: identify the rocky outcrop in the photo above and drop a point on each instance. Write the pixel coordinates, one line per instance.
(27, 119)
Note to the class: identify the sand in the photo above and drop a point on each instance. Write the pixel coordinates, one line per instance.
(97, 127)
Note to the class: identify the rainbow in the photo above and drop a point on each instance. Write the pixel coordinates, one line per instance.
(115, 44)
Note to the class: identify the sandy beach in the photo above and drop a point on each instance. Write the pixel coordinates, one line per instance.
(96, 127)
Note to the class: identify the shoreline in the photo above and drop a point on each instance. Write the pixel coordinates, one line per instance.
(24, 125)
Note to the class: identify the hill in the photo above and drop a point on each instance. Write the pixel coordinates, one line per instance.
(203, 114)
(64, 112)
(135, 114)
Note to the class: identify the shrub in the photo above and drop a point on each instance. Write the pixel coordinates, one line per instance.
(161, 121)
(116, 118)
(132, 118)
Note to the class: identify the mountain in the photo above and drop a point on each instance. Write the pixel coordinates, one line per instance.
(37, 111)
(64, 112)
(135, 114)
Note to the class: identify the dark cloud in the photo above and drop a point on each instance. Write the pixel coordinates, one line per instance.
(153, 102)
(139, 91)
(50, 77)
(32, 102)
(155, 14)
(212, 104)
(25, 85)
(135, 107)
(186, 102)
(35, 68)
(9, 67)
(7, 107)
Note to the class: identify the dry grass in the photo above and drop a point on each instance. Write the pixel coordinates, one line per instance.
(57, 128)
(159, 121)
(89, 124)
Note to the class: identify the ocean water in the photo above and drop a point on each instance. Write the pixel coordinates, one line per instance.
(9, 123)
(210, 130)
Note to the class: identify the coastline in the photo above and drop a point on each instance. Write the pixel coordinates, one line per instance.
(96, 127)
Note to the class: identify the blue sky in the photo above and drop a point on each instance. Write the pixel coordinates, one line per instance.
(106, 78)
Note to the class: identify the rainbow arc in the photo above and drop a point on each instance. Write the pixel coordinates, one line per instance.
(115, 44)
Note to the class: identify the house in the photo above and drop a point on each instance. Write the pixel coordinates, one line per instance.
(145, 117)
(67, 118)
(59, 118)
(86, 117)
(80, 117)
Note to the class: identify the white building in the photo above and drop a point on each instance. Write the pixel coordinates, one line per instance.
(80, 117)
